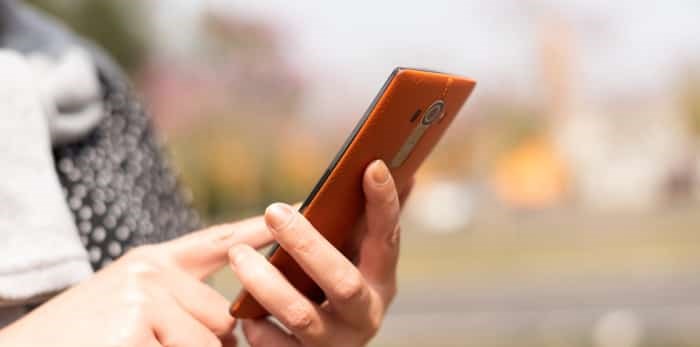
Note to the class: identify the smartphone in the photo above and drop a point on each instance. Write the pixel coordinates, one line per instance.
(404, 122)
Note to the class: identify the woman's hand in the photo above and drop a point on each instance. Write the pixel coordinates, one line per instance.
(153, 296)
(357, 296)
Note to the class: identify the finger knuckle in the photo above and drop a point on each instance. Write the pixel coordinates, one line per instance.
(394, 236)
(140, 313)
(142, 270)
(351, 287)
(299, 317)
(374, 323)
(139, 302)
(374, 320)
(305, 245)
(394, 209)
(391, 291)
(145, 261)
(388, 207)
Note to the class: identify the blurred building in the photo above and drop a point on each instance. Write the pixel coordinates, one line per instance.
(620, 153)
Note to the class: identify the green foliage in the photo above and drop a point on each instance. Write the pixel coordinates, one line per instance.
(114, 25)
(235, 171)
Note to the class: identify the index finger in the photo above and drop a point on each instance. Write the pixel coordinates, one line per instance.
(203, 252)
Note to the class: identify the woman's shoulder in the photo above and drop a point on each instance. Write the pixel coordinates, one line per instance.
(118, 184)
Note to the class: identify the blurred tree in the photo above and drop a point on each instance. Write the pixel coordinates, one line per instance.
(253, 53)
(114, 25)
(230, 112)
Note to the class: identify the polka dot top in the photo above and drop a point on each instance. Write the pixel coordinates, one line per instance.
(119, 187)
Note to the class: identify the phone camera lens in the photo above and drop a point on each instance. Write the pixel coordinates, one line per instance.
(434, 112)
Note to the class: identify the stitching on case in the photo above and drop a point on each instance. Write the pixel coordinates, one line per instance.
(447, 87)
(444, 97)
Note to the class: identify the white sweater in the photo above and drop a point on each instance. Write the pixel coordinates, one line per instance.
(39, 244)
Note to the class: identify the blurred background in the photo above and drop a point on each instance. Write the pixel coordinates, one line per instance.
(562, 208)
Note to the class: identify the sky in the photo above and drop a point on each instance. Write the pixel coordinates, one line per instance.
(622, 47)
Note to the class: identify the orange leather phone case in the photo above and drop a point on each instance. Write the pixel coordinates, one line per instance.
(337, 202)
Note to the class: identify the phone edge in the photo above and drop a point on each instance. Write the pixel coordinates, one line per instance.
(336, 159)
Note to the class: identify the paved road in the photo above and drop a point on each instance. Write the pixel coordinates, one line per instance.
(665, 307)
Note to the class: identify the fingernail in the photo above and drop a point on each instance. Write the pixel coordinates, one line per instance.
(380, 173)
(236, 254)
(278, 215)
